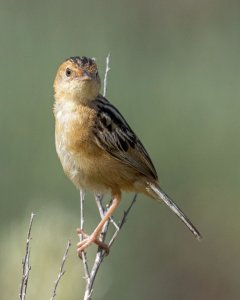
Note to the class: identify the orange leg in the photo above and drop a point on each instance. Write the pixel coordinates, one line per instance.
(81, 246)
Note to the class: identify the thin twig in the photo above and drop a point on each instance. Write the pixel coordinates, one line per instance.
(61, 271)
(26, 263)
(102, 211)
(106, 75)
(99, 198)
(84, 255)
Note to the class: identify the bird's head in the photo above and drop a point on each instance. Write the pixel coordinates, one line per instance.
(77, 78)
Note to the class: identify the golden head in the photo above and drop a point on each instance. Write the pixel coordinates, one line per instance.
(77, 78)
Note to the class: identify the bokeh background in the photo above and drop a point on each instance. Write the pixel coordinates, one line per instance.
(175, 72)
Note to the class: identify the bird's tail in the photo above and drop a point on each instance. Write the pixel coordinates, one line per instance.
(158, 194)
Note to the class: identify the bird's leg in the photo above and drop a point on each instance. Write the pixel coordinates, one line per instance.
(81, 246)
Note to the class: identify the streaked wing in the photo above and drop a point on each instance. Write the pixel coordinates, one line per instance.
(114, 135)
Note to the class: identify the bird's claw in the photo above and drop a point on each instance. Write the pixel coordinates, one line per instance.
(88, 240)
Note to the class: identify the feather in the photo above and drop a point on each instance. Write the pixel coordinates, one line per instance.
(114, 135)
(157, 193)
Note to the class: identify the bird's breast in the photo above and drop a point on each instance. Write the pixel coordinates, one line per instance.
(74, 143)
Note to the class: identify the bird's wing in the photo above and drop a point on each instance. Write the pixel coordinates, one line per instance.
(113, 134)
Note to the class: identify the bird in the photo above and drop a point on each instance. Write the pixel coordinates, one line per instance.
(96, 146)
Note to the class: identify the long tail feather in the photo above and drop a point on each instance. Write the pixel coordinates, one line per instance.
(158, 194)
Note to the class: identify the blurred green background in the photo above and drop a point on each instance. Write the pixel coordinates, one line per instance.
(175, 71)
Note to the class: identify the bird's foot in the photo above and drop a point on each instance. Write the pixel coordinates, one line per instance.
(88, 240)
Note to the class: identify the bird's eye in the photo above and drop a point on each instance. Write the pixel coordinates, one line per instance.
(68, 72)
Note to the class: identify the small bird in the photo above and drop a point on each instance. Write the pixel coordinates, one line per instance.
(96, 146)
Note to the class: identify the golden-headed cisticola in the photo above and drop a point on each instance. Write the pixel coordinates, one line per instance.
(96, 146)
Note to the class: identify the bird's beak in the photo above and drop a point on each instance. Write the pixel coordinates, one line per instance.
(87, 76)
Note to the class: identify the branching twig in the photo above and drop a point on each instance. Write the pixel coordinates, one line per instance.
(61, 271)
(26, 263)
(102, 210)
(101, 253)
(90, 276)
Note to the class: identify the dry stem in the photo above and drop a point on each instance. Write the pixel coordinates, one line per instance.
(106, 75)
(61, 271)
(84, 255)
(26, 263)
(90, 276)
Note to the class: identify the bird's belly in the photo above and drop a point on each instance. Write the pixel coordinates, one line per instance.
(80, 166)
(95, 172)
